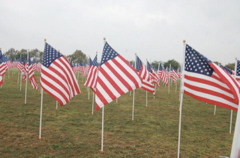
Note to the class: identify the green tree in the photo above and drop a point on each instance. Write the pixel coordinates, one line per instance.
(77, 56)
(174, 64)
(230, 66)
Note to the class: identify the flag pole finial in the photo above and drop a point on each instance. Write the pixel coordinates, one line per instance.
(104, 38)
(184, 41)
(45, 40)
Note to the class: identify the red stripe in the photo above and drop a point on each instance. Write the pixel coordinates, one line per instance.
(207, 91)
(214, 102)
(199, 80)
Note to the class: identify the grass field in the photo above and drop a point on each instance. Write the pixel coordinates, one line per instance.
(72, 131)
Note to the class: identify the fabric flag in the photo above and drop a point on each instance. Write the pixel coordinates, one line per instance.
(92, 74)
(115, 77)
(57, 77)
(1, 79)
(153, 74)
(31, 76)
(3, 65)
(208, 82)
(237, 71)
(145, 76)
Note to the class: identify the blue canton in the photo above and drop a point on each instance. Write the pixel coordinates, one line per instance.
(238, 68)
(138, 64)
(197, 63)
(50, 54)
(94, 62)
(108, 53)
(149, 67)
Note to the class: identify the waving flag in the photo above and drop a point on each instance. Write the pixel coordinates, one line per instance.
(206, 81)
(31, 69)
(1, 79)
(92, 74)
(57, 77)
(115, 77)
(153, 74)
(237, 71)
(145, 76)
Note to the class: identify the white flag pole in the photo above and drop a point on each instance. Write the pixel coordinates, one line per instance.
(102, 129)
(133, 105)
(181, 101)
(230, 128)
(93, 102)
(26, 83)
(146, 98)
(21, 82)
(56, 105)
(215, 108)
(40, 124)
(235, 151)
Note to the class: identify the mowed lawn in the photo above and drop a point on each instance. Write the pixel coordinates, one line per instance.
(72, 130)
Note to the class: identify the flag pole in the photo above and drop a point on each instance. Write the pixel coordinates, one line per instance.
(26, 84)
(133, 105)
(146, 98)
(230, 128)
(40, 124)
(21, 82)
(93, 102)
(102, 129)
(181, 101)
(215, 107)
(102, 135)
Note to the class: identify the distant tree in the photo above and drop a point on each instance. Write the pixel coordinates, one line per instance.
(175, 65)
(155, 64)
(230, 66)
(77, 56)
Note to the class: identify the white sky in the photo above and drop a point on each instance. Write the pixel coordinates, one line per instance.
(154, 29)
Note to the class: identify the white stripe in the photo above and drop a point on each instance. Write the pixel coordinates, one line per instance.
(209, 87)
(115, 79)
(62, 80)
(57, 95)
(210, 97)
(104, 94)
(108, 84)
(132, 72)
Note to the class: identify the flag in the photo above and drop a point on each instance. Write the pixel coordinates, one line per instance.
(145, 76)
(208, 82)
(115, 77)
(31, 76)
(92, 74)
(237, 71)
(153, 75)
(57, 77)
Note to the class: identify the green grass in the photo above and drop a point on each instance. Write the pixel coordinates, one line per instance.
(72, 131)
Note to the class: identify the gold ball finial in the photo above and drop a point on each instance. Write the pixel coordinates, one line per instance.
(104, 38)
(45, 40)
(184, 41)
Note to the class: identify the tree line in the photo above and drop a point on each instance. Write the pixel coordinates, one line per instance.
(79, 56)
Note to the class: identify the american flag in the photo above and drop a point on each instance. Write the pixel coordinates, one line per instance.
(57, 77)
(145, 76)
(31, 76)
(115, 77)
(208, 82)
(2, 68)
(3, 65)
(153, 74)
(92, 74)
(237, 71)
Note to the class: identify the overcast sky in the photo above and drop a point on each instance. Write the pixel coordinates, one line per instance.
(154, 29)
